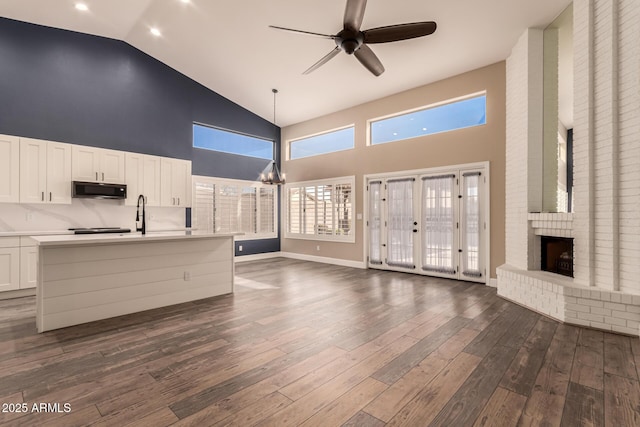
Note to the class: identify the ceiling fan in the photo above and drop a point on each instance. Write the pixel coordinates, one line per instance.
(353, 41)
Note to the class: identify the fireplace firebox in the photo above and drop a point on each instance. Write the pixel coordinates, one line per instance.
(557, 255)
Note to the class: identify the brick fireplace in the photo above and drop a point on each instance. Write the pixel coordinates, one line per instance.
(604, 292)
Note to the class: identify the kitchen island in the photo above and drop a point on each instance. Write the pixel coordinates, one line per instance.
(83, 278)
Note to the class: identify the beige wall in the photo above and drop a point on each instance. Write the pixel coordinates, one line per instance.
(480, 143)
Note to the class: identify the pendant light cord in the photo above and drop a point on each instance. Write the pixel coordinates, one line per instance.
(275, 91)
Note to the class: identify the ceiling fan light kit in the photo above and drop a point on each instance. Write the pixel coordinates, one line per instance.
(352, 40)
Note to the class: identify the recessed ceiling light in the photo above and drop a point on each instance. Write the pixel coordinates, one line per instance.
(81, 6)
(156, 32)
(185, 1)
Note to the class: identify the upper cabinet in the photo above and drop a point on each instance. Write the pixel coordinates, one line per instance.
(45, 171)
(143, 177)
(9, 169)
(37, 171)
(98, 165)
(176, 182)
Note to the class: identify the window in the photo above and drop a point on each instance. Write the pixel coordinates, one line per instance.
(426, 121)
(210, 138)
(327, 142)
(230, 206)
(321, 210)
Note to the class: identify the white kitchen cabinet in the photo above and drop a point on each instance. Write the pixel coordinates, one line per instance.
(9, 263)
(98, 165)
(59, 172)
(142, 177)
(28, 266)
(9, 169)
(112, 166)
(176, 182)
(45, 171)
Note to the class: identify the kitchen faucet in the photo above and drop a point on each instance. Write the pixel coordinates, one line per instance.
(143, 228)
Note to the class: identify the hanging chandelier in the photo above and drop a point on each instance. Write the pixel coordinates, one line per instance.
(271, 174)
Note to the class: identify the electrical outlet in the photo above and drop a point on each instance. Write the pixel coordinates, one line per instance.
(318, 248)
(187, 276)
(240, 248)
(29, 216)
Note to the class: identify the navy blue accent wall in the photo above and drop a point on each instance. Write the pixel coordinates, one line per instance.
(82, 89)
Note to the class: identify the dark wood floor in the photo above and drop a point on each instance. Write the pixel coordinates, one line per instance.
(307, 344)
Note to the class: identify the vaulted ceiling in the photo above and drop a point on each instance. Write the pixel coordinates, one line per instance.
(228, 47)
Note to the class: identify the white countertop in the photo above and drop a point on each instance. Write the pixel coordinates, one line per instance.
(33, 233)
(113, 238)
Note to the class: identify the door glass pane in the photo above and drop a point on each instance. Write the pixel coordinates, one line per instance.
(470, 219)
(375, 219)
(400, 223)
(438, 224)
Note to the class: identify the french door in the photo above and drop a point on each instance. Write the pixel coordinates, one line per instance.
(431, 223)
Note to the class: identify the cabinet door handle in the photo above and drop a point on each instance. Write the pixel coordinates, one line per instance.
(50, 196)
(103, 176)
(173, 201)
(43, 196)
(178, 201)
(96, 176)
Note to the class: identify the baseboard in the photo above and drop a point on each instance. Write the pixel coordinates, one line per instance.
(19, 293)
(257, 257)
(324, 260)
(492, 282)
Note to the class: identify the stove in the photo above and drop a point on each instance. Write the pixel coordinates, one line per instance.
(100, 230)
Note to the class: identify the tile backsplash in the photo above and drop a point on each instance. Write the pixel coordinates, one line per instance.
(85, 213)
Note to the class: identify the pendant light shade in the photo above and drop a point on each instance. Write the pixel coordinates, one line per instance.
(271, 175)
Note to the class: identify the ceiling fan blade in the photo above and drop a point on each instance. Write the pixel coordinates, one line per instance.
(369, 59)
(353, 14)
(309, 33)
(394, 33)
(323, 61)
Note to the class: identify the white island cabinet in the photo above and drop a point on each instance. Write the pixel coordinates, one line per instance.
(83, 278)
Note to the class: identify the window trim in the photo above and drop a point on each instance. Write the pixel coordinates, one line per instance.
(350, 238)
(242, 183)
(422, 108)
(272, 141)
(324, 132)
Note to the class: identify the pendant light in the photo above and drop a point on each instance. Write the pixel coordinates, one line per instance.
(271, 175)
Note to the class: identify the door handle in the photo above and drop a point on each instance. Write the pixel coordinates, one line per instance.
(50, 196)
(103, 176)
(415, 230)
(43, 196)
(178, 201)
(96, 176)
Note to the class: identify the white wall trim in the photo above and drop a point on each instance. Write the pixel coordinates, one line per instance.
(18, 293)
(324, 260)
(493, 283)
(257, 257)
